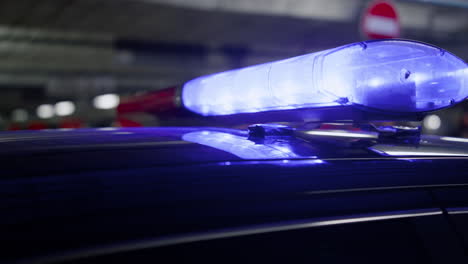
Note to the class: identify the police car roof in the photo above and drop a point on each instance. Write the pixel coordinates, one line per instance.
(112, 148)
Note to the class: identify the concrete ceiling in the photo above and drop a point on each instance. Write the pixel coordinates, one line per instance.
(247, 22)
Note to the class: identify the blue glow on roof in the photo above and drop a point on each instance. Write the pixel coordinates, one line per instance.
(282, 163)
(241, 146)
(389, 75)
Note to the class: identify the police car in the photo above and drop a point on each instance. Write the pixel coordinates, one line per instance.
(316, 177)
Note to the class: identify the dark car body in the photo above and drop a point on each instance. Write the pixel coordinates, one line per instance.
(148, 195)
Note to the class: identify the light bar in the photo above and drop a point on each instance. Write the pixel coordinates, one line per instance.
(394, 76)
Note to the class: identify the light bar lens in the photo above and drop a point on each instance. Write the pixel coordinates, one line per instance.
(390, 75)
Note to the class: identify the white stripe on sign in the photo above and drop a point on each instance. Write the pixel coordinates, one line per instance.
(381, 25)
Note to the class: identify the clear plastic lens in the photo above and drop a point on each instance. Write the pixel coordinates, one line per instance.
(396, 76)
(388, 75)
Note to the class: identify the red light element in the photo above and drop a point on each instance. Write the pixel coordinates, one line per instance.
(153, 102)
(14, 127)
(37, 125)
(71, 123)
(146, 109)
(124, 122)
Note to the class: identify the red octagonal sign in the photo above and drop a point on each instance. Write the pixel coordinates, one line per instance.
(380, 20)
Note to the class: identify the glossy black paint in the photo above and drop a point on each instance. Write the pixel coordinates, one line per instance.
(65, 190)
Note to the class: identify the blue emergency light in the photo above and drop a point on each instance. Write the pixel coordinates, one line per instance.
(393, 76)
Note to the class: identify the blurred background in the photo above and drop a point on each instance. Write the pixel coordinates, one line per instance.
(68, 63)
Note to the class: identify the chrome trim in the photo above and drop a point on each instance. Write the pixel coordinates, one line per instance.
(218, 234)
(457, 210)
(389, 188)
